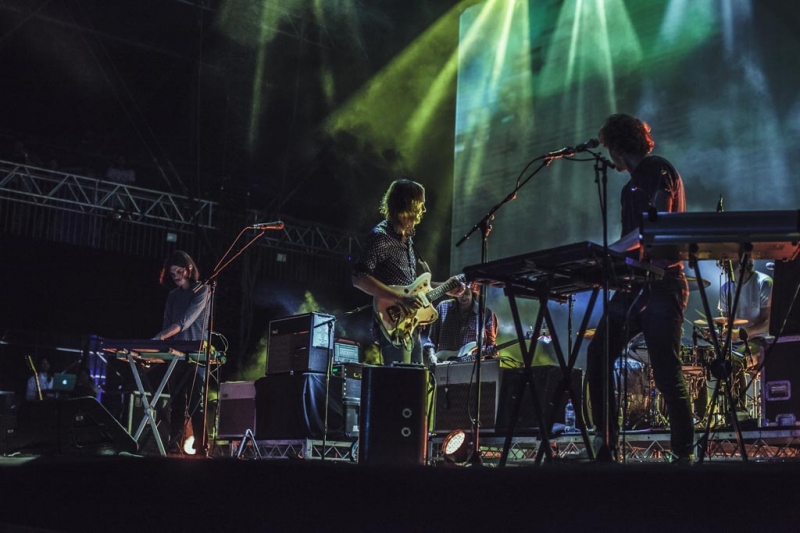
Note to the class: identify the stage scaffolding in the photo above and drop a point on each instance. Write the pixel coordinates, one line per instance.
(73, 209)
(763, 445)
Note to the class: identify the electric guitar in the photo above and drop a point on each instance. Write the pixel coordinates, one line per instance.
(398, 322)
(469, 350)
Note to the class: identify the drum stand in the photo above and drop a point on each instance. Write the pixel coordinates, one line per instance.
(720, 368)
(655, 416)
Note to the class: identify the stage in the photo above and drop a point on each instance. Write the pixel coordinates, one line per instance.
(291, 486)
(224, 494)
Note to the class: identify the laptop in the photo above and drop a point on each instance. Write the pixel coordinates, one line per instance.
(64, 382)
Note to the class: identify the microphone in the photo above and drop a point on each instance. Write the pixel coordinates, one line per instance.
(277, 225)
(570, 150)
(729, 270)
(591, 143)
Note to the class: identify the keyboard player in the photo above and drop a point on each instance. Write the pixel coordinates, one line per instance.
(185, 318)
(656, 309)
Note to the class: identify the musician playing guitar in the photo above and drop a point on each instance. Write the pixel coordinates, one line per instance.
(457, 327)
(387, 270)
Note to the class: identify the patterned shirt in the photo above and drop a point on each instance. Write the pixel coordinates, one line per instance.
(454, 329)
(386, 257)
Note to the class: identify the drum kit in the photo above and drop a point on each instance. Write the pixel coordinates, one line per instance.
(640, 403)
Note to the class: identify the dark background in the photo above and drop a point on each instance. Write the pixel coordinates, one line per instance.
(228, 101)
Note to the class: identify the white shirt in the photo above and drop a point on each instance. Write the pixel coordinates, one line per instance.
(45, 383)
(756, 295)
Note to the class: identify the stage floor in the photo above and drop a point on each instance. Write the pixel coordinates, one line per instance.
(132, 493)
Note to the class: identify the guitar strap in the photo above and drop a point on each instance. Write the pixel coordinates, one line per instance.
(421, 262)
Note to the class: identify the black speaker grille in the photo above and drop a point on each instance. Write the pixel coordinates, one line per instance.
(455, 405)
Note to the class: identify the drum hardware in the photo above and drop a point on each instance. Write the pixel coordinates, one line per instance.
(633, 386)
(693, 285)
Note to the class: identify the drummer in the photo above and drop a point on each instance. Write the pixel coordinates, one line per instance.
(752, 312)
(755, 300)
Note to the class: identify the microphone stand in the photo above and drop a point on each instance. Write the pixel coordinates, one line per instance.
(601, 165)
(486, 228)
(331, 322)
(211, 282)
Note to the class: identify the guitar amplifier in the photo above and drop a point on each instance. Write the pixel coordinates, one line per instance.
(299, 343)
(237, 408)
(455, 395)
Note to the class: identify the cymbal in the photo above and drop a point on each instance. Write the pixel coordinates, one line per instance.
(589, 334)
(724, 320)
(720, 320)
(693, 285)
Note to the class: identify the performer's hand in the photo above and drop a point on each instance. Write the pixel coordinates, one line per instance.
(410, 303)
(459, 289)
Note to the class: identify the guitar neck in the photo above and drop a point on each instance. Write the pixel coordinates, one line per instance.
(441, 290)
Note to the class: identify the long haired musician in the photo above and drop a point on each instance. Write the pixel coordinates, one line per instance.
(386, 269)
(185, 318)
(657, 309)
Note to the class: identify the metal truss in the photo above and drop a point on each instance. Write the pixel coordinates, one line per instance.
(298, 449)
(99, 200)
(89, 196)
(312, 238)
(767, 444)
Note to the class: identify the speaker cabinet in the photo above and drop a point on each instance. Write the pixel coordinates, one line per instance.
(393, 420)
(780, 378)
(455, 395)
(546, 380)
(78, 426)
(784, 290)
(299, 343)
(292, 406)
(237, 408)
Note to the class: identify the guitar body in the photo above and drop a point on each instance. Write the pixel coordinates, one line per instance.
(398, 323)
(468, 351)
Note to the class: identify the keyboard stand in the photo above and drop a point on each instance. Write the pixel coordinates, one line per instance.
(149, 409)
(528, 350)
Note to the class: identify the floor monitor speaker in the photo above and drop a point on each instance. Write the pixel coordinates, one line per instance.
(77, 426)
(393, 421)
